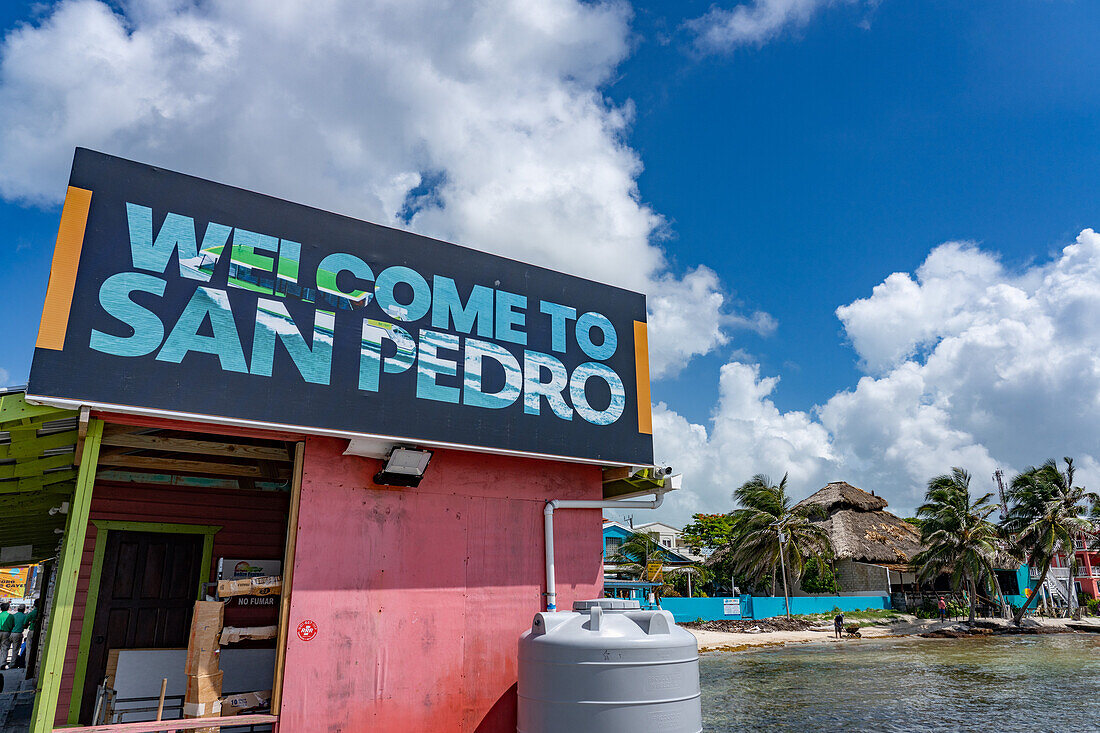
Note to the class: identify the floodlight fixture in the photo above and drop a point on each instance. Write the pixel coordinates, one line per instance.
(404, 467)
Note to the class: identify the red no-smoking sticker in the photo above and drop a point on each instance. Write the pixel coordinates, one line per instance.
(307, 630)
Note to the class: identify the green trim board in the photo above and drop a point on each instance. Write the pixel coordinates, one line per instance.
(35, 467)
(103, 527)
(68, 572)
(37, 483)
(38, 445)
(13, 407)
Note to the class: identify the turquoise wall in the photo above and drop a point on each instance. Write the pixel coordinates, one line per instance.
(1023, 580)
(690, 609)
(756, 607)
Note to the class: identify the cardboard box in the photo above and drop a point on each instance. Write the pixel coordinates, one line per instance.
(204, 661)
(238, 587)
(245, 701)
(204, 688)
(233, 634)
(203, 645)
(202, 709)
(270, 585)
(265, 585)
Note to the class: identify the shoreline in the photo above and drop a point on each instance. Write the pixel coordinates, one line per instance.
(910, 627)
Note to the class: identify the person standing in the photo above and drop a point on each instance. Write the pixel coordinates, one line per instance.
(7, 622)
(28, 632)
(838, 624)
(17, 634)
(943, 609)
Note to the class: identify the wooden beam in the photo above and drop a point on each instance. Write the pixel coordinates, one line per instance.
(120, 429)
(35, 447)
(177, 725)
(202, 447)
(33, 423)
(616, 473)
(39, 483)
(288, 576)
(81, 432)
(72, 551)
(13, 406)
(173, 465)
(630, 487)
(12, 504)
(36, 467)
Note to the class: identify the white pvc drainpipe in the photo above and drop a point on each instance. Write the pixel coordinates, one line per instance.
(548, 523)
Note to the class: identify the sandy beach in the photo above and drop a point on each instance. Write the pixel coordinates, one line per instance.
(907, 626)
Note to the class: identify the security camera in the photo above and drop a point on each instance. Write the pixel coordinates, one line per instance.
(652, 472)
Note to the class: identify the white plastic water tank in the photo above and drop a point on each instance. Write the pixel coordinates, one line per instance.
(608, 667)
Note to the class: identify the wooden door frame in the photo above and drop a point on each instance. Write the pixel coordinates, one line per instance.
(288, 576)
(103, 528)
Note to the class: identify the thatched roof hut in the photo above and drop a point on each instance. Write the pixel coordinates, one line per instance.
(859, 528)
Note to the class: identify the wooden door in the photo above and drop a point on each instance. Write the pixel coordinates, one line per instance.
(146, 595)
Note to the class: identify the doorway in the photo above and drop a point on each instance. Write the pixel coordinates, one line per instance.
(146, 595)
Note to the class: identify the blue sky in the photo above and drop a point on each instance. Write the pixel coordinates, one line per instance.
(803, 162)
(808, 170)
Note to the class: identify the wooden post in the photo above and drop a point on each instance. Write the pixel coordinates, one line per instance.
(288, 577)
(68, 572)
(81, 434)
(45, 577)
(160, 704)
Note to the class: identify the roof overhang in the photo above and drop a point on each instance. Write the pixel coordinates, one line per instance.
(628, 482)
(37, 475)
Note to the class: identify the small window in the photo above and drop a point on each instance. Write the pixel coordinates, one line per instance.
(666, 543)
(1008, 582)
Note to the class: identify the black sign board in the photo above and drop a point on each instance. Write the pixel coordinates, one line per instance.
(171, 295)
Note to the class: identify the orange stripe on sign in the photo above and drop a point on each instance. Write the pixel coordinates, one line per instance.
(66, 257)
(641, 359)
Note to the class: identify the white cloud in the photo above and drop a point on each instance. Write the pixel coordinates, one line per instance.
(757, 22)
(904, 315)
(970, 365)
(5, 376)
(747, 435)
(690, 316)
(495, 107)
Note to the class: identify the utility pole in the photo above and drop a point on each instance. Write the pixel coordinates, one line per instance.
(783, 570)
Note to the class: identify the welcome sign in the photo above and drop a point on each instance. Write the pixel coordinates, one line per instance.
(178, 296)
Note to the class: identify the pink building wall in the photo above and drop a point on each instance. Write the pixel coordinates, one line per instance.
(419, 595)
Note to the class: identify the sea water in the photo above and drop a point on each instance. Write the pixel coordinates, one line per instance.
(1005, 683)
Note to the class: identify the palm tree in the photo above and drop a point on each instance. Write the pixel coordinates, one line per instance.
(956, 533)
(1045, 515)
(755, 548)
(637, 551)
